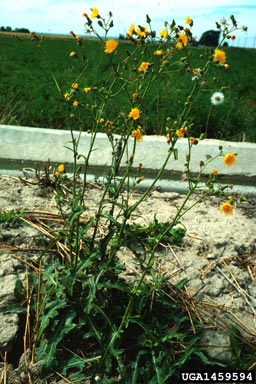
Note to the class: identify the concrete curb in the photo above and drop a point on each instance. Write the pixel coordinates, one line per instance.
(23, 147)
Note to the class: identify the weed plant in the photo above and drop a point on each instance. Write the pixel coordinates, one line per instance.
(86, 321)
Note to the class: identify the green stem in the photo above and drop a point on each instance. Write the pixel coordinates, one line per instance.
(134, 206)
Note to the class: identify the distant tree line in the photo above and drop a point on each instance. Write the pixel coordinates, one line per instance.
(16, 30)
(208, 38)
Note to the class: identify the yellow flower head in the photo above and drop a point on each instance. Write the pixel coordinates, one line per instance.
(87, 90)
(182, 41)
(188, 20)
(72, 54)
(67, 96)
(75, 86)
(131, 29)
(75, 103)
(61, 168)
(229, 159)
(137, 134)
(135, 113)
(78, 38)
(220, 56)
(164, 33)
(215, 171)
(158, 52)
(141, 32)
(180, 132)
(144, 66)
(95, 12)
(101, 120)
(226, 208)
(110, 45)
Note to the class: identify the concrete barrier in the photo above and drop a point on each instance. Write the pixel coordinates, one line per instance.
(23, 147)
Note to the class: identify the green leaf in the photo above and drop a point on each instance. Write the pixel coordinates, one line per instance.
(19, 291)
(181, 283)
(76, 215)
(184, 358)
(52, 339)
(14, 309)
(205, 360)
(111, 218)
(234, 335)
(51, 314)
(175, 153)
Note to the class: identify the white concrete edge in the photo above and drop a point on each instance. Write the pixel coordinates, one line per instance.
(23, 147)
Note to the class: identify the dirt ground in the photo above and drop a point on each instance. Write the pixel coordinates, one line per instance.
(218, 254)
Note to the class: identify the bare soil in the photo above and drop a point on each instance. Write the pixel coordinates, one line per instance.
(218, 253)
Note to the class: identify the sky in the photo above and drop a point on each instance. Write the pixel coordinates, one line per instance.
(61, 16)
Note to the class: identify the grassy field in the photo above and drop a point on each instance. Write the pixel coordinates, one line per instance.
(29, 95)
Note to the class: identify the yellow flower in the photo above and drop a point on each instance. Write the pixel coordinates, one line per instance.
(180, 132)
(215, 171)
(141, 32)
(110, 45)
(75, 103)
(72, 116)
(131, 29)
(219, 56)
(75, 86)
(164, 33)
(144, 66)
(87, 90)
(72, 54)
(229, 159)
(182, 41)
(226, 208)
(137, 134)
(95, 12)
(78, 38)
(188, 20)
(61, 168)
(101, 120)
(135, 113)
(67, 96)
(158, 52)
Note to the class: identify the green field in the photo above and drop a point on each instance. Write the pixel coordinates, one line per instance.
(29, 95)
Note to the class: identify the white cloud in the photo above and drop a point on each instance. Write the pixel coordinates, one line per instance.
(62, 15)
